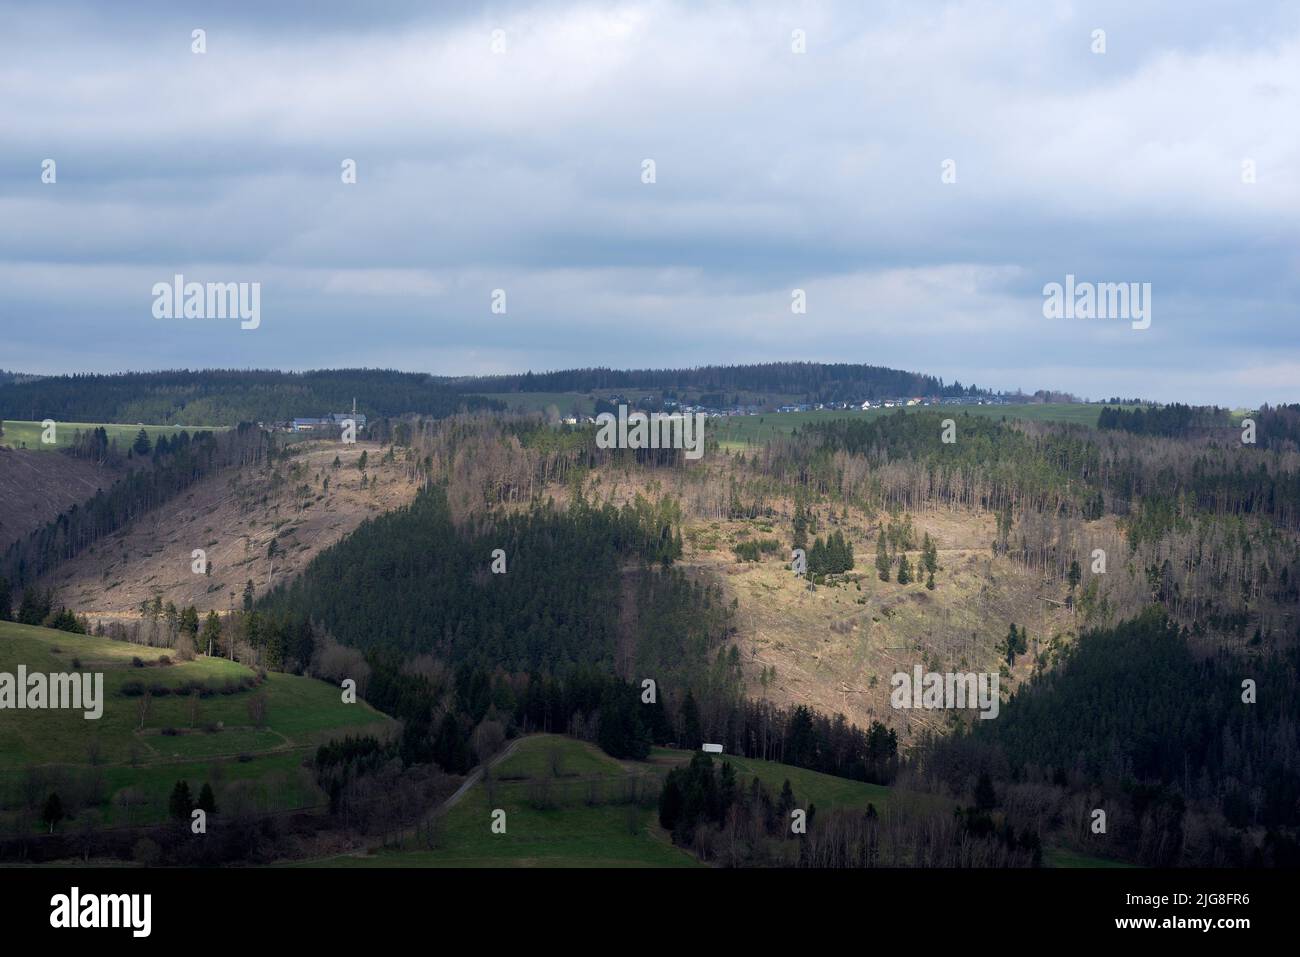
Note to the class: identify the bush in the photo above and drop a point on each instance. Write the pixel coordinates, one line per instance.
(133, 688)
(164, 660)
(170, 732)
(137, 662)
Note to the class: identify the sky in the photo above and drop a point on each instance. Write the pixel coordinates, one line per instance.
(921, 171)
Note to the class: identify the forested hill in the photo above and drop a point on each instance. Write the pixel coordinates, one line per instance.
(1276, 427)
(815, 381)
(410, 581)
(172, 469)
(8, 377)
(1192, 767)
(230, 396)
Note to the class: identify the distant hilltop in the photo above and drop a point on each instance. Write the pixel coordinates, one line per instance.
(214, 397)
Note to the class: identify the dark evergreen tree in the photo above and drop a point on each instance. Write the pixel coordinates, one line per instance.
(52, 813)
(882, 557)
(207, 800)
(180, 804)
(622, 734)
(692, 736)
(800, 526)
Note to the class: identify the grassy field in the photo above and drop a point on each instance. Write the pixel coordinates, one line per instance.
(809, 787)
(19, 434)
(573, 818)
(566, 806)
(129, 752)
(741, 431)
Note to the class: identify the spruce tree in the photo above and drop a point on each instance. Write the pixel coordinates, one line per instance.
(904, 570)
(800, 527)
(1016, 643)
(692, 736)
(52, 813)
(180, 804)
(207, 800)
(930, 554)
(882, 557)
(211, 633)
(817, 559)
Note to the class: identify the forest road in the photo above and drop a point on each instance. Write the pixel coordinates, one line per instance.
(475, 776)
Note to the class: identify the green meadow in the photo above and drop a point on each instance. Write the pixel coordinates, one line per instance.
(809, 787)
(567, 804)
(18, 434)
(564, 804)
(196, 737)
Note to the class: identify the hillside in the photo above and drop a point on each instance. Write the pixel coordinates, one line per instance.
(834, 648)
(197, 726)
(234, 516)
(35, 486)
(568, 804)
(807, 381)
(229, 396)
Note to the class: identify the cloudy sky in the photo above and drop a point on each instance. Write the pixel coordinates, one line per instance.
(514, 160)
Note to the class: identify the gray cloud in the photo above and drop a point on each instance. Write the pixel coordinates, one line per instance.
(521, 171)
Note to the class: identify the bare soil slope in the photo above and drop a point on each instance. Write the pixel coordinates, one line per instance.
(234, 516)
(36, 485)
(837, 647)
